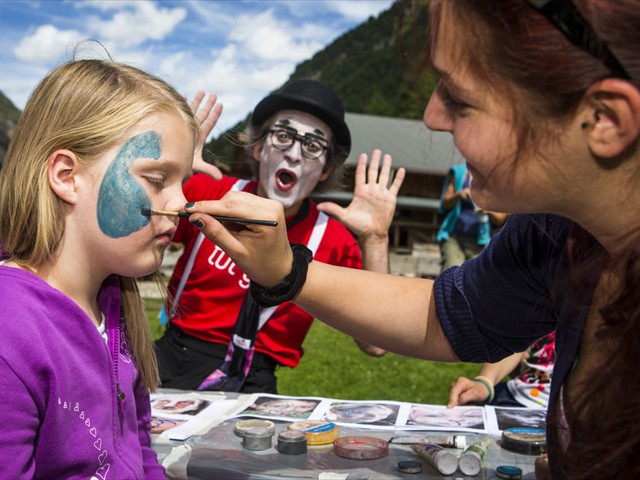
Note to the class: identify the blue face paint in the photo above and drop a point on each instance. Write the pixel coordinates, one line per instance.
(121, 197)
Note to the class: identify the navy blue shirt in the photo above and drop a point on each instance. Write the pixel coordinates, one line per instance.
(516, 291)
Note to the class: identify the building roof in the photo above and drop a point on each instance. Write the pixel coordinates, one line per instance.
(411, 144)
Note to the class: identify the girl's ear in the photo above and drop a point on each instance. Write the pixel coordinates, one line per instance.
(62, 169)
(615, 106)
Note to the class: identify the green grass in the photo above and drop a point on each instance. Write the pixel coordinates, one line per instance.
(334, 367)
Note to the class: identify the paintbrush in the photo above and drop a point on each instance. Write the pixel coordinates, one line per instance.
(147, 212)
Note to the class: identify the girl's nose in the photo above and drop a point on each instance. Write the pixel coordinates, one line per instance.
(175, 200)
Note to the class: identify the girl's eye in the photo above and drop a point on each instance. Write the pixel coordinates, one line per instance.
(156, 182)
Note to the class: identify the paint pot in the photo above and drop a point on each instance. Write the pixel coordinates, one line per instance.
(244, 426)
(409, 466)
(361, 448)
(525, 440)
(442, 460)
(470, 461)
(292, 442)
(257, 439)
(509, 472)
(318, 432)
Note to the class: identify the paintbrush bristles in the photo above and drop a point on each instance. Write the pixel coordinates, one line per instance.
(150, 211)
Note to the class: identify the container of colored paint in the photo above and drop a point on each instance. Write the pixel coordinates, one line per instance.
(442, 460)
(249, 425)
(409, 466)
(360, 447)
(292, 442)
(525, 440)
(509, 472)
(470, 462)
(317, 432)
(257, 439)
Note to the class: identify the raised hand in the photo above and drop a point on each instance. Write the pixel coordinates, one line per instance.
(207, 116)
(370, 213)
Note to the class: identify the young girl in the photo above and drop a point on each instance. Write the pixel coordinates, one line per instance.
(97, 142)
(542, 98)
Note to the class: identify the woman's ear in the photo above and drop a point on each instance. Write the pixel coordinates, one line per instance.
(615, 123)
(62, 169)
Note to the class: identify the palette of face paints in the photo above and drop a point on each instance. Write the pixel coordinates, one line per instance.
(438, 451)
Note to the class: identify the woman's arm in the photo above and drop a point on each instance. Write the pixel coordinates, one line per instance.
(391, 312)
(369, 216)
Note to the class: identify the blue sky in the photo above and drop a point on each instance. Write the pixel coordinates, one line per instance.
(240, 49)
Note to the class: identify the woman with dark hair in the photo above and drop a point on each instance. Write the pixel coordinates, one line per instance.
(542, 98)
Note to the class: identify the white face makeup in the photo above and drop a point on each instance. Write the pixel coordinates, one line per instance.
(287, 176)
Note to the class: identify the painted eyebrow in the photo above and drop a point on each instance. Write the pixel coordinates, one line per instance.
(286, 123)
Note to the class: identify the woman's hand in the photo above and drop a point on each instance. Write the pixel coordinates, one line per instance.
(262, 252)
(207, 117)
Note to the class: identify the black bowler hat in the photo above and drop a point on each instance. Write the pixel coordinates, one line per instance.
(311, 97)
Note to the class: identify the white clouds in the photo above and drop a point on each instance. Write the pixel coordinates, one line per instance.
(267, 39)
(358, 11)
(240, 50)
(130, 28)
(46, 44)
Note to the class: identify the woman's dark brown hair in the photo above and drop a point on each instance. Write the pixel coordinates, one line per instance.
(512, 48)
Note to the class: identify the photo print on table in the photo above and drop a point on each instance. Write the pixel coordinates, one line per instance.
(443, 418)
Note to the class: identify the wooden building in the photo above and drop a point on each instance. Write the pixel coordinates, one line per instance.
(426, 155)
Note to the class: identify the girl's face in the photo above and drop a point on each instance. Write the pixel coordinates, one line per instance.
(287, 176)
(481, 122)
(283, 407)
(146, 171)
(446, 418)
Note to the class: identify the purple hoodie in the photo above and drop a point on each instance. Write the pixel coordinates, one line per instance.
(60, 412)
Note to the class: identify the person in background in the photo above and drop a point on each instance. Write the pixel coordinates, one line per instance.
(543, 101)
(298, 142)
(465, 229)
(98, 142)
(530, 386)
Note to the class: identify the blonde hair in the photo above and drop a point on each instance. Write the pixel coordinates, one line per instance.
(87, 107)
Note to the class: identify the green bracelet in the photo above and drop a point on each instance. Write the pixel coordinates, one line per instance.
(487, 384)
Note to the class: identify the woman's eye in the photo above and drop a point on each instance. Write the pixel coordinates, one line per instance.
(450, 102)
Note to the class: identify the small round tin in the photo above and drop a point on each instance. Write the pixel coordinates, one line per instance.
(292, 442)
(509, 472)
(253, 424)
(257, 439)
(409, 466)
(525, 440)
(318, 432)
(361, 448)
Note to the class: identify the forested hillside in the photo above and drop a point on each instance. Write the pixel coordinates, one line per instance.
(9, 115)
(373, 68)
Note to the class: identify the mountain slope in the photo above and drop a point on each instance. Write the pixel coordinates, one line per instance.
(9, 115)
(372, 68)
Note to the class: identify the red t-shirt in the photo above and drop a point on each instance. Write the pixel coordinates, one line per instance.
(214, 292)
